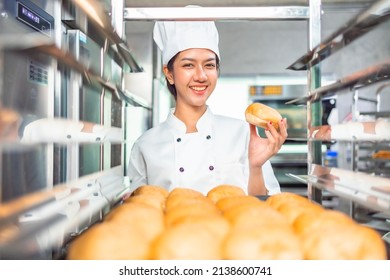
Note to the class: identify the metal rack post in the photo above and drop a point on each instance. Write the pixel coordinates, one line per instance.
(314, 109)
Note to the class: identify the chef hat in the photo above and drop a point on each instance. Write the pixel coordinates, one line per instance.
(175, 36)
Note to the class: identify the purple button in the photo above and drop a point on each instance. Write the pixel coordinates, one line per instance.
(181, 169)
(211, 168)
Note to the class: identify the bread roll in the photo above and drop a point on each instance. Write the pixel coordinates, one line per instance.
(151, 189)
(245, 216)
(309, 221)
(223, 191)
(153, 199)
(108, 241)
(184, 192)
(146, 218)
(217, 224)
(242, 208)
(227, 203)
(179, 200)
(344, 242)
(255, 217)
(268, 242)
(381, 154)
(260, 115)
(186, 242)
(194, 209)
(294, 209)
(276, 200)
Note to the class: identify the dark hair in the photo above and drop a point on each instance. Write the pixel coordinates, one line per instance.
(172, 88)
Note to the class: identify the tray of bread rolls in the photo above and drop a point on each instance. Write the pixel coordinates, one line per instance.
(224, 224)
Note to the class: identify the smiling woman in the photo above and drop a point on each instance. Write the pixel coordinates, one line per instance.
(194, 148)
(192, 76)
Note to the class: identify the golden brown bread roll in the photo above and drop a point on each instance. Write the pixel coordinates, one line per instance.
(276, 200)
(148, 219)
(179, 200)
(267, 242)
(150, 189)
(381, 154)
(108, 241)
(184, 192)
(293, 209)
(223, 191)
(291, 205)
(217, 224)
(260, 115)
(344, 242)
(333, 235)
(193, 209)
(309, 221)
(226, 203)
(247, 216)
(242, 208)
(152, 199)
(186, 242)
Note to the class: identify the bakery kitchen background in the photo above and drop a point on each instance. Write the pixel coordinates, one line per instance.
(80, 80)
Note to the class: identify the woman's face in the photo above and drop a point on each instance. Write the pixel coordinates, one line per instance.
(194, 75)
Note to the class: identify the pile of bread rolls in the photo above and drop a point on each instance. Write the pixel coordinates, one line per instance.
(225, 224)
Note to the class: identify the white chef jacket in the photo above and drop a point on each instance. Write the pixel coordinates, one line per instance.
(216, 154)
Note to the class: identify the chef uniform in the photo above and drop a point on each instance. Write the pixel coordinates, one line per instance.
(216, 154)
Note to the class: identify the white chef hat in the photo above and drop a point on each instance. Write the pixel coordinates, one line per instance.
(175, 36)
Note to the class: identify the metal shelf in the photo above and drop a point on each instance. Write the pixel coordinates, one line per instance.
(362, 188)
(57, 214)
(92, 79)
(217, 13)
(374, 131)
(101, 24)
(363, 78)
(352, 30)
(383, 114)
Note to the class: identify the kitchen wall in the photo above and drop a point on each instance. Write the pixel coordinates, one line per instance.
(251, 49)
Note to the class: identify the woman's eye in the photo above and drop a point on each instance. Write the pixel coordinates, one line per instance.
(187, 65)
(210, 66)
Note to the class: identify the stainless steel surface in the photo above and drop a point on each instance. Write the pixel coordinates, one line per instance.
(366, 77)
(218, 13)
(50, 98)
(43, 221)
(217, 3)
(292, 158)
(27, 81)
(352, 30)
(370, 191)
(313, 82)
(101, 28)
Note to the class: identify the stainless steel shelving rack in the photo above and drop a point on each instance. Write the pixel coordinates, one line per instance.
(103, 188)
(53, 213)
(361, 188)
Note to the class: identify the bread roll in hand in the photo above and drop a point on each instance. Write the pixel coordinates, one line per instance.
(259, 114)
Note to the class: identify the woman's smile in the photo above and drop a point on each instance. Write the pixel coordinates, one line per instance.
(198, 90)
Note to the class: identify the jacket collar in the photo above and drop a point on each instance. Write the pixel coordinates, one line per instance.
(203, 124)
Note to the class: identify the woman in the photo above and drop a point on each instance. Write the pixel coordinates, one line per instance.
(194, 148)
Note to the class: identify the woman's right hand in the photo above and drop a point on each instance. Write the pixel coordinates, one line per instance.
(262, 149)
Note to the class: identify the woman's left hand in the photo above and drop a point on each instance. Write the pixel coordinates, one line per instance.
(262, 149)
